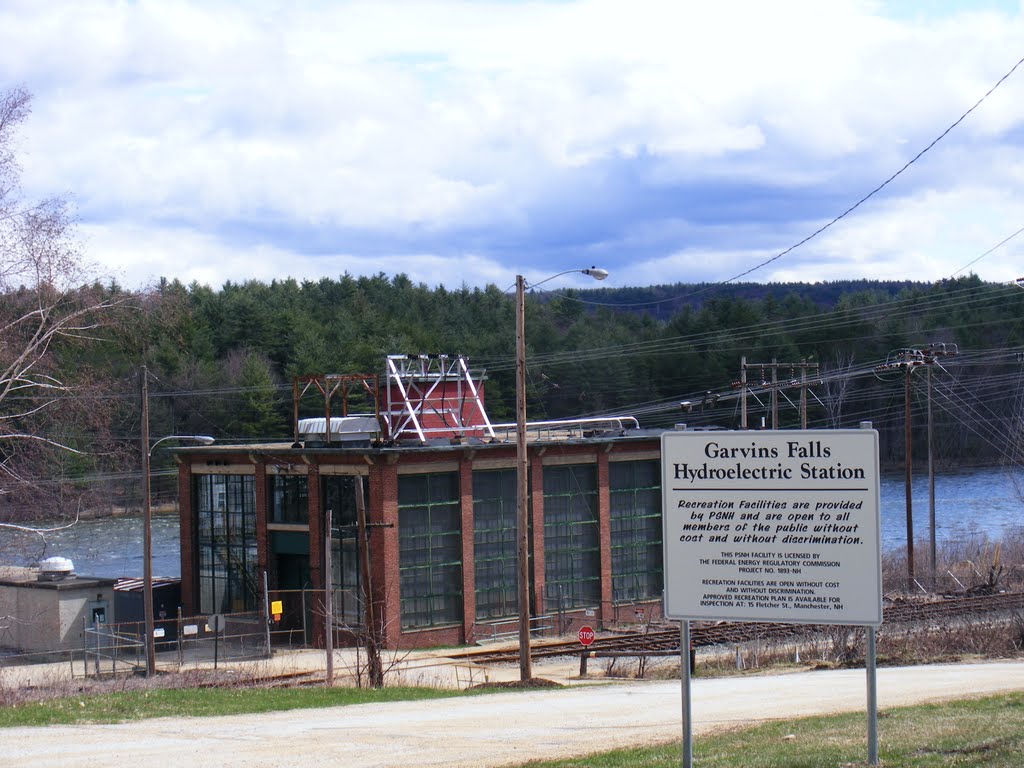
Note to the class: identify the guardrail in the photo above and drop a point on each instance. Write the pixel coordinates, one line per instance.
(538, 625)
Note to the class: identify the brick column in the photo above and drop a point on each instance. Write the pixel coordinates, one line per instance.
(186, 521)
(604, 527)
(262, 538)
(468, 558)
(384, 551)
(316, 552)
(537, 536)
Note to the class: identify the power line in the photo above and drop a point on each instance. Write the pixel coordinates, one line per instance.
(838, 218)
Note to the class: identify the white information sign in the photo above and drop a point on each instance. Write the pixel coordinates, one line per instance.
(772, 526)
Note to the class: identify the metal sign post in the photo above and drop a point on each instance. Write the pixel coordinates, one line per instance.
(216, 623)
(778, 526)
(686, 674)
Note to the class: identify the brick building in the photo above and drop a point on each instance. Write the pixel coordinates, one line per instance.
(438, 485)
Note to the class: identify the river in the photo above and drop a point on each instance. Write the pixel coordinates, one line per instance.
(969, 504)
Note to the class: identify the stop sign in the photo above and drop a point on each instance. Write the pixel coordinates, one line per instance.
(586, 635)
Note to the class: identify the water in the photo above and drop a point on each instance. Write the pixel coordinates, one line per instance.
(967, 505)
(110, 547)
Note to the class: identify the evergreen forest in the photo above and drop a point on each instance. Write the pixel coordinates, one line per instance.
(221, 362)
(225, 359)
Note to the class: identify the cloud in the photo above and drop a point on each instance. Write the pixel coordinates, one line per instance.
(664, 138)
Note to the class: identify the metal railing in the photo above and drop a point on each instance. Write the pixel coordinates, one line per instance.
(568, 429)
(114, 649)
(507, 629)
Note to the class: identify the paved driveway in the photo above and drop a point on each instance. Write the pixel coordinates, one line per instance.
(493, 730)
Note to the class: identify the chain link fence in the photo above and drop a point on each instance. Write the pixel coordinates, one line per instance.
(185, 641)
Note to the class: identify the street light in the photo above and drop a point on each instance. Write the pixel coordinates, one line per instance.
(522, 491)
(147, 533)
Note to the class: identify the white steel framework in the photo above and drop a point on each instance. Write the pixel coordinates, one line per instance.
(419, 393)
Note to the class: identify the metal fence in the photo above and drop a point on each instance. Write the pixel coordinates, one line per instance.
(188, 640)
(293, 626)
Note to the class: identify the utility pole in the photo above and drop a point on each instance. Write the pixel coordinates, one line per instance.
(743, 392)
(522, 487)
(803, 394)
(374, 666)
(147, 533)
(907, 470)
(775, 394)
(931, 353)
(774, 365)
(931, 484)
(907, 360)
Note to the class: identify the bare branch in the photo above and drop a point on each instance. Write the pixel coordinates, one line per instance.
(40, 531)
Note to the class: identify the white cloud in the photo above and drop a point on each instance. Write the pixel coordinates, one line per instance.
(433, 129)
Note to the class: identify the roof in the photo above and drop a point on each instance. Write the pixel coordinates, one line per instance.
(453, 445)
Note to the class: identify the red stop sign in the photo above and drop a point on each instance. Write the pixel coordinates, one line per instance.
(586, 635)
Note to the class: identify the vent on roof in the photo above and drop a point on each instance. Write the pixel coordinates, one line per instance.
(55, 569)
(346, 431)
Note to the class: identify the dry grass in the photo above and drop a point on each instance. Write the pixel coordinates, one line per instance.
(976, 565)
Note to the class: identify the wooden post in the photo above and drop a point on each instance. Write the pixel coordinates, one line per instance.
(375, 669)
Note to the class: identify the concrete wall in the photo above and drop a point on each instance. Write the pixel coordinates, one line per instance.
(46, 618)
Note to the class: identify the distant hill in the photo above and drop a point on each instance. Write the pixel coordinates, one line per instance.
(663, 301)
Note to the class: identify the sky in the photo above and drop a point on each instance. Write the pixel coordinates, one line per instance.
(463, 143)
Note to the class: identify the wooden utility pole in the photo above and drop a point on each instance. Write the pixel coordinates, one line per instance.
(374, 666)
(931, 483)
(775, 394)
(147, 532)
(774, 365)
(743, 392)
(907, 470)
(522, 488)
(803, 394)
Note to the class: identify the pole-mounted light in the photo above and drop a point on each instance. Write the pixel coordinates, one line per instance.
(522, 490)
(147, 528)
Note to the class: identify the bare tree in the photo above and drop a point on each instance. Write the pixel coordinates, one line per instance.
(835, 381)
(53, 421)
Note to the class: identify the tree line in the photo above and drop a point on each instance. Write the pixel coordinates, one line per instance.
(225, 359)
(221, 361)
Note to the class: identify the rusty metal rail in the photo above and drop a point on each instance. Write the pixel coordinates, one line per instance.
(721, 633)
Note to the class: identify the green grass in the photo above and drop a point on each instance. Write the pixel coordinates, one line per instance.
(201, 702)
(985, 732)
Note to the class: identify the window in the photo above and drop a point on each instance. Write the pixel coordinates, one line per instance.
(635, 490)
(339, 496)
(430, 549)
(494, 543)
(572, 546)
(289, 499)
(226, 536)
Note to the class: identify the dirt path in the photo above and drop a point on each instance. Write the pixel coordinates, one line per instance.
(492, 730)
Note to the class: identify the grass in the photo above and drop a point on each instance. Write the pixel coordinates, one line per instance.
(201, 702)
(979, 732)
(975, 732)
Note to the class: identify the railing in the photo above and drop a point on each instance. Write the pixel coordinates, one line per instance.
(568, 429)
(113, 649)
(506, 629)
(294, 628)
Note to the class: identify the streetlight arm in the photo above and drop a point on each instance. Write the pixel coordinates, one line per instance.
(147, 526)
(595, 272)
(522, 470)
(201, 439)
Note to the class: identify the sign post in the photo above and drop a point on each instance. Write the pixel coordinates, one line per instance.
(778, 526)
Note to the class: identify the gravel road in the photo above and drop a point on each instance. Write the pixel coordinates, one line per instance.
(492, 730)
